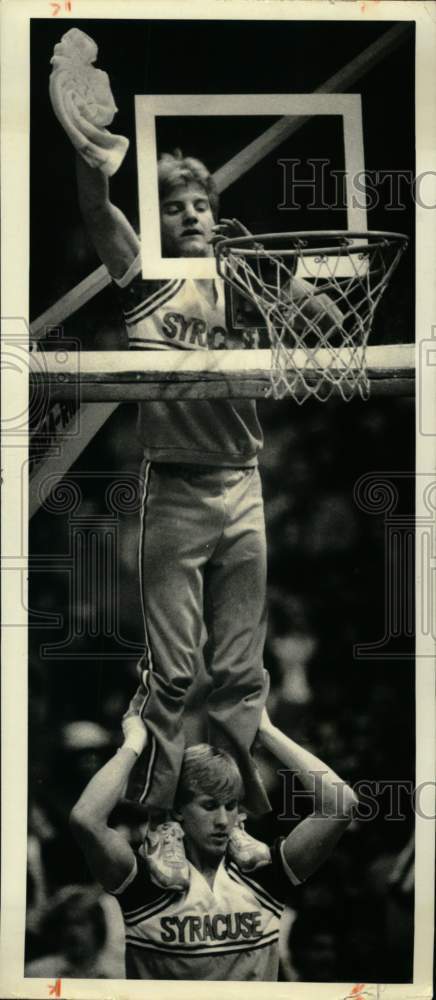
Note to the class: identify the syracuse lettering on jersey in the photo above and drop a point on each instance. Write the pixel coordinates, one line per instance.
(219, 927)
(192, 330)
(196, 332)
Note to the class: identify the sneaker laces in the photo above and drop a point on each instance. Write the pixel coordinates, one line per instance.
(247, 847)
(171, 839)
(169, 836)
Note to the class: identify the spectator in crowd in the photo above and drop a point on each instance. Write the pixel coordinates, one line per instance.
(74, 930)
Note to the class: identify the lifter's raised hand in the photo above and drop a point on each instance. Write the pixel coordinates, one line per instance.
(265, 725)
(133, 726)
(83, 103)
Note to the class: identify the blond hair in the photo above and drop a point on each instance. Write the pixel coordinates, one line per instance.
(209, 771)
(174, 169)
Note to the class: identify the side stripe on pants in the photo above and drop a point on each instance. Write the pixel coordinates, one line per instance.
(148, 655)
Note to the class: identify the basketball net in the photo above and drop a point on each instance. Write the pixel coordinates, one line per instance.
(317, 294)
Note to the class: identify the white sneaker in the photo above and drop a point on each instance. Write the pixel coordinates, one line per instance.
(165, 856)
(247, 852)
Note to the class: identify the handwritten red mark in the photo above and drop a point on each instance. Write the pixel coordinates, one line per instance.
(357, 992)
(57, 7)
(55, 991)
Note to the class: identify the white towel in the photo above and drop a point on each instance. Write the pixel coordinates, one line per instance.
(83, 103)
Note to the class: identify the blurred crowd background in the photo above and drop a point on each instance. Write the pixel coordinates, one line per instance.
(326, 592)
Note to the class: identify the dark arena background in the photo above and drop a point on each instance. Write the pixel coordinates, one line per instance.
(335, 477)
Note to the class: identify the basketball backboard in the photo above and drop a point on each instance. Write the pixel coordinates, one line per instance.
(269, 121)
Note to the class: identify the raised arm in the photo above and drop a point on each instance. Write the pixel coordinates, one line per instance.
(84, 105)
(311, 842)
(111, 233)
(109, 856)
